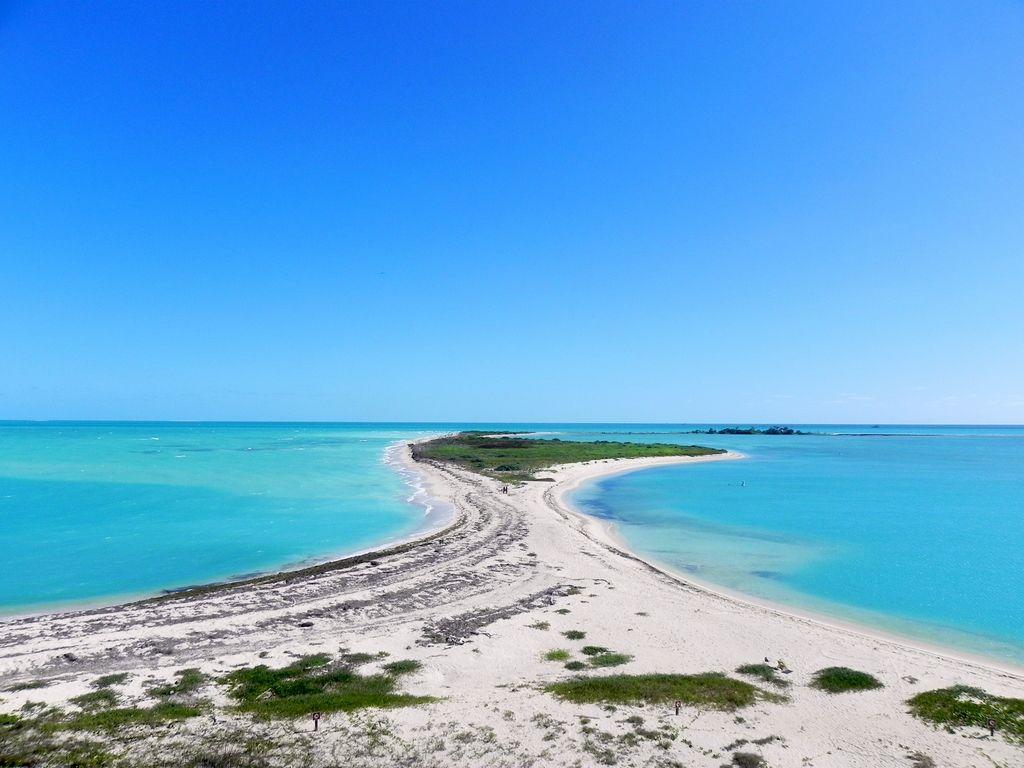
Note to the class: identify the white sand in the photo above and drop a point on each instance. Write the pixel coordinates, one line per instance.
(462, 603)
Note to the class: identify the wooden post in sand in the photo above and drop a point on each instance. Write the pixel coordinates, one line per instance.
(678, 705)
(316, 721)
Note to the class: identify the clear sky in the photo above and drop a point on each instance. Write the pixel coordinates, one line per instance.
(657, 211)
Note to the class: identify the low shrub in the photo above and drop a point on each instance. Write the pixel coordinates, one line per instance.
(843, 680)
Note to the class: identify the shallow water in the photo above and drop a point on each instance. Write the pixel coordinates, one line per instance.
(913, 529)
(93, 512)
(916, 530)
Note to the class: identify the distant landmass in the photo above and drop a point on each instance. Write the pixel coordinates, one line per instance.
(749, 431)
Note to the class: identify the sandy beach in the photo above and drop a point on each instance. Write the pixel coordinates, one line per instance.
(479, 603)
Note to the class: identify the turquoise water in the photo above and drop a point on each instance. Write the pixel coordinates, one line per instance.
(914, 529)
(94, 512)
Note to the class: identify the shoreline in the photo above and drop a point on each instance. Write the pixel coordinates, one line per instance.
(480, 606)
(605, 531)
(441, 518)
(602, 530)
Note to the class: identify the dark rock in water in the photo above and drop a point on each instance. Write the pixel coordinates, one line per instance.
(375, 562)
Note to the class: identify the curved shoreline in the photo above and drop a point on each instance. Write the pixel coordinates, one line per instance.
(307, 566)
(605, 532)
(600, 530)
(480, 606)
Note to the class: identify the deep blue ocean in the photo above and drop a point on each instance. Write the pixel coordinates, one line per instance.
(918, 530)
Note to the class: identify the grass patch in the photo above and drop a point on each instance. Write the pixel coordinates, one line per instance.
(514, 459)
(610, 659)
(96, 699)
(32, 748)
(764, 673)
(111, 719)
(108, 680)
(312, 684)
(358, 659)
(593, 650)
(710, 689)
(189, 681)
(962, 705)
(558, 654)
(31, 685)
(843, 680)
(574, 634)
(402, 667)
(563, 611)
(542, 625)
(575, 666)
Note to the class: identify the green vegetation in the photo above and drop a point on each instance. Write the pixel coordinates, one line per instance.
(575, 666)
(709, 689)
(574, 634)
(748, 760)
(402, 667)
(31, 685)
(110, 719)
(843, 679)
(189, 681)
(962, 705)
(24, 744)
(542, 625)
(563, 611)
(108, 680)
(96, 699)
(357, 659)
(763, 672)
(558, 654)
(610, 659)
(592, 650)
(516, 459)
(313, 684)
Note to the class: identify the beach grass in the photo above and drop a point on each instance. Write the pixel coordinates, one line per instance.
(516, 459)
(763, 672)
(709, 689)
(610, 659)
(402, 667)
(962, 705)
(558, 654)
(188, 681)
(106, 681)
(843, 680)
(111, 719)
(96, 699)
(31, 685)
(574, 634)
(314, 684)
(22, 744)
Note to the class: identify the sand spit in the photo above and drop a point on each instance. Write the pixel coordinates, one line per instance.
(479, 604)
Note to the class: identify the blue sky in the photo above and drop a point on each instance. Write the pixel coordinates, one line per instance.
(470, 211)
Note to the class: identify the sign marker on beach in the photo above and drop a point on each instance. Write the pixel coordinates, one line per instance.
(678, 705)
(316, 720)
